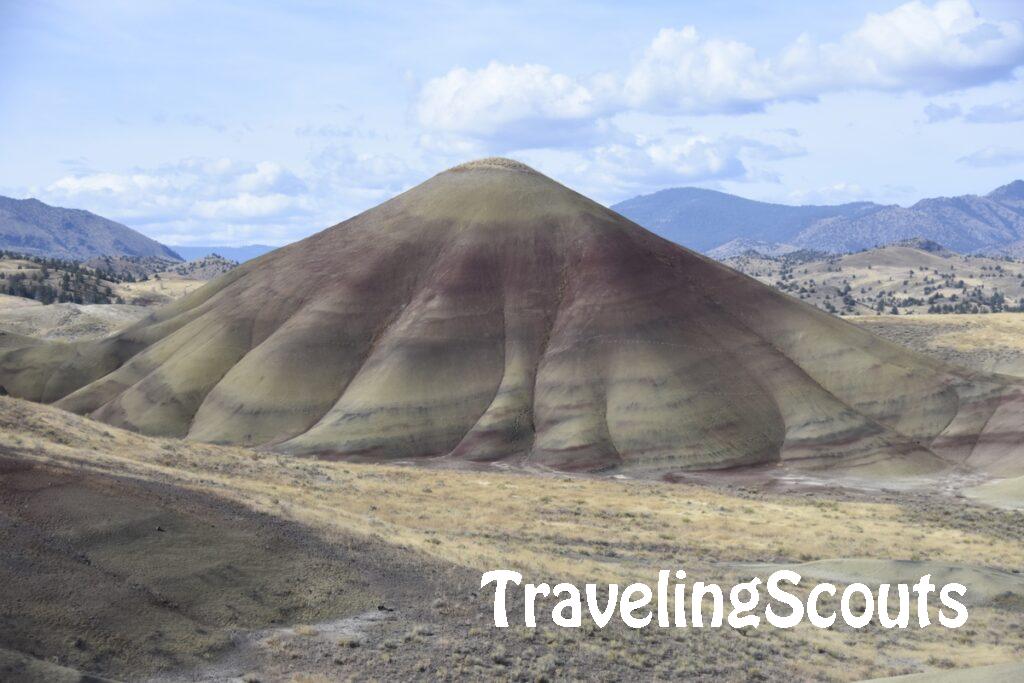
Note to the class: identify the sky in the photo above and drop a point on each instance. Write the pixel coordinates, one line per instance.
(232, 123)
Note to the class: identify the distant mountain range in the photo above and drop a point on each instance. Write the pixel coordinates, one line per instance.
(724, 224)
(240, 254)
(31, 227)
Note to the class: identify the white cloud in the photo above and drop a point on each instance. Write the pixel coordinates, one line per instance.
(993, 156)
(248, 206)
(682, 72)
(526, 106)
(623, 169)
(934, 48)
(192, 200)
(204, 201)
(507, 93)
(915, 47)
(270, 177)
(937, 48)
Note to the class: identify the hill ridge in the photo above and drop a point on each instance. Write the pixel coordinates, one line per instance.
(708, 220)
(33, 227)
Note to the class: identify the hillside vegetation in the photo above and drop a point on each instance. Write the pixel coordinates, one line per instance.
(912, 278)
(48, 280)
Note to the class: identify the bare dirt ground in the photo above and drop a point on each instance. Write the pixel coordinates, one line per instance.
(347, 538)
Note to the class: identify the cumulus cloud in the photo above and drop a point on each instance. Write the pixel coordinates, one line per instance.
(224, 201)
(937, 48)
(195, 200)
(993, 156)
(682, 72)
(934, 48)
(526, 106)
(642, 164)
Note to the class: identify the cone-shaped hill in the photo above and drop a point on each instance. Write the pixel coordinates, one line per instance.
(493, 314)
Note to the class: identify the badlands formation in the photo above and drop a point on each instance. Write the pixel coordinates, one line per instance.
(492, 314)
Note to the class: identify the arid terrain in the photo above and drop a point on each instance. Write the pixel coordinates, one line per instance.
(984, 342)
(338, 540)
(67, 321)
(629, 407)
(911, 278)
(140, 291)
(492, 314)
(139, 281)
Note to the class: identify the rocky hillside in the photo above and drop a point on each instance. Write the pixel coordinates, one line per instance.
(50, 281)
(711, 221)
(28, 226)
(205, 268)
(131, 268)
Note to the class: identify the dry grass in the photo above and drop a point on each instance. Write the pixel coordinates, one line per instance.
(965, 332)
(552, 524)
(168, 287)
(991, 342)
(580, 529)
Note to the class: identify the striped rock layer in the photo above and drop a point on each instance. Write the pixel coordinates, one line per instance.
(492, 314)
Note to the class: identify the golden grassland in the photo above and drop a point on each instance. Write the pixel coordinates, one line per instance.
(556, 527)
(157, 290)
(964, 332)
(992, 342)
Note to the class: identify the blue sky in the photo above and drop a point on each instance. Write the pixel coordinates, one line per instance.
(240, 122)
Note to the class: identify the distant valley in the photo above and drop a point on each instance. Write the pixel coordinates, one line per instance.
(725, 225)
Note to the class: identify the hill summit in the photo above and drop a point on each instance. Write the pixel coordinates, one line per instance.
(492, 314)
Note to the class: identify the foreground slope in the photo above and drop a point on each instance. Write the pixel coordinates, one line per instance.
(121, 554)
(493, 314)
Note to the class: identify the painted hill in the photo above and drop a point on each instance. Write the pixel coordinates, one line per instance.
(492, 314)
(706, 220)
